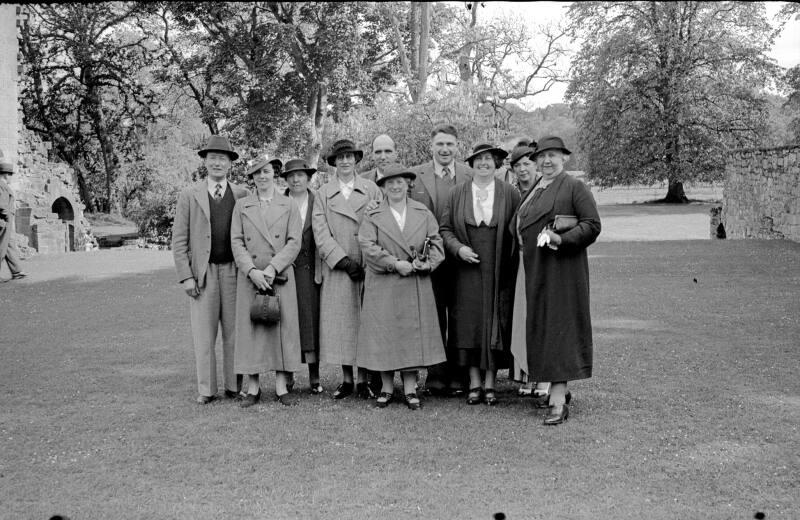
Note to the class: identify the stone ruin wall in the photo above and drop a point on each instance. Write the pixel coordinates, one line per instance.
(50, 215)
(761, 197)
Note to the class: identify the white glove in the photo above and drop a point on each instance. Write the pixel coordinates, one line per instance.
(543, 239)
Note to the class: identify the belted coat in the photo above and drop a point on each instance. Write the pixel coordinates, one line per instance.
(259, 239)
(335, 222)
(399, 326)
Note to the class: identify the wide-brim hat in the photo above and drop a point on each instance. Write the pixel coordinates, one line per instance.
(478, 149)
(343, 146)
(395, 170)
(261, 161)
(550, 143)
(519, 152)
(297, 165)
(6, 167)
(218, 143)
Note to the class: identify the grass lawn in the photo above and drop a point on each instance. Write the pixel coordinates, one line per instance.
(693, 410)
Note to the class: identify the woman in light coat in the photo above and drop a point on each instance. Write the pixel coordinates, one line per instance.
(338, 209)
(265, 238)
(399, 324)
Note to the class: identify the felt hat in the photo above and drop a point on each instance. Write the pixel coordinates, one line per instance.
(343, 146)
(261, 161)
(6, 167)
(550, 143)
(520, 152)
(297, 165)
(395, 170)
(218, 143)
(478, 149)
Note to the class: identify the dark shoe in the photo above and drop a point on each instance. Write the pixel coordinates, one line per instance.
(17, 276)
(205, 399)
(363, 391)
(474, 395)
(316, 388)
(412, 401)
(384, 399)
(343, 390)
(232, 394)
(249, 399)
(290, 385)
(489, 397)
(557, 415)
(287, 399)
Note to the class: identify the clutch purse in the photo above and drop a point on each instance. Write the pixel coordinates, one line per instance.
(564, 223)
(266, 308)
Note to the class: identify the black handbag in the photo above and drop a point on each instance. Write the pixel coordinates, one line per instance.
(266, 308)
(564, 223)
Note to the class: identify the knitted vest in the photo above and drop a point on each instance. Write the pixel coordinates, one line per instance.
(221, 216)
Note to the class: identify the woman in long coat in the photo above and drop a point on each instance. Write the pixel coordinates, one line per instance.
(306, 268)
(265, 238)
(399, 324)
(338, 209)
(475, 229)
(558, 326)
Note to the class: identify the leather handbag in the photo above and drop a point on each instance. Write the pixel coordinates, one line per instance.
(266, 308)
(564, 223)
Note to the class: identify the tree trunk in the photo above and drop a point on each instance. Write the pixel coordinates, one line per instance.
(464, 68)
(424, 41)
(317, 110)
(675, 193)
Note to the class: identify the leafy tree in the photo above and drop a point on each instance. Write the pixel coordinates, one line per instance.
(669, 87)
(79, 90)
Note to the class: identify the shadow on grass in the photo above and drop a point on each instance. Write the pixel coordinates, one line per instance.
(694, 399)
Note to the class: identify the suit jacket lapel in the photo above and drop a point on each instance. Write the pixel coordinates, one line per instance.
(429, 182)
(201, 195)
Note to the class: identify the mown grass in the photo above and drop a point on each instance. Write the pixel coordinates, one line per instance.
(693, 411)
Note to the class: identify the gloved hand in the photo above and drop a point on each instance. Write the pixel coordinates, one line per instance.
(354, 271)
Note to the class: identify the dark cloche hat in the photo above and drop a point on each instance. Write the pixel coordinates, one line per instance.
(520, 152)
(395, 170)
(218, 143)
(550, 143)
(297, 165)
(343, 146)
(478, 149)
(261, 161)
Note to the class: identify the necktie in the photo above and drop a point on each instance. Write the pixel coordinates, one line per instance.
(218, 192)
(445, 173)
(482, 195)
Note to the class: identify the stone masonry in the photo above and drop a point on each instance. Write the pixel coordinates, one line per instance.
(761, 198)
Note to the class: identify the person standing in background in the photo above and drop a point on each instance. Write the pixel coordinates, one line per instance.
(432, 187)
(8, 249)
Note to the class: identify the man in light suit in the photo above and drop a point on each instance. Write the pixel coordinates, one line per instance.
(8, 249)
(432, 187)
(201, 245)
(384, 153)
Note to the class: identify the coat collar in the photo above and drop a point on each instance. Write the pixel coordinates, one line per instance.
(415, 219)
(251, 208)
(545, 204)
(339, 204)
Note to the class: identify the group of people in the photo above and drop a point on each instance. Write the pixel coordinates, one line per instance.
(461, 269)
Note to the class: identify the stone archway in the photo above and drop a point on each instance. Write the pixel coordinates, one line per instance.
(63, 208)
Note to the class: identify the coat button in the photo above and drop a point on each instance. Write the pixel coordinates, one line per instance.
(248, 239)
(254, 257)
(277, 236)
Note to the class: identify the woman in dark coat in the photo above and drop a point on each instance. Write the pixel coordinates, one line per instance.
(306, 268)
(558, 326)
(476, 230)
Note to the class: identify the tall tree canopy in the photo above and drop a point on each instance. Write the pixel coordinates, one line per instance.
(669, 87)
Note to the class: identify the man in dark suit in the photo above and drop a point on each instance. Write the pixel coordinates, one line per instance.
(384, 153)
(201, 245)
(432, 187)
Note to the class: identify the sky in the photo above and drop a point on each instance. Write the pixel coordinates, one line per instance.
(786, 51)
